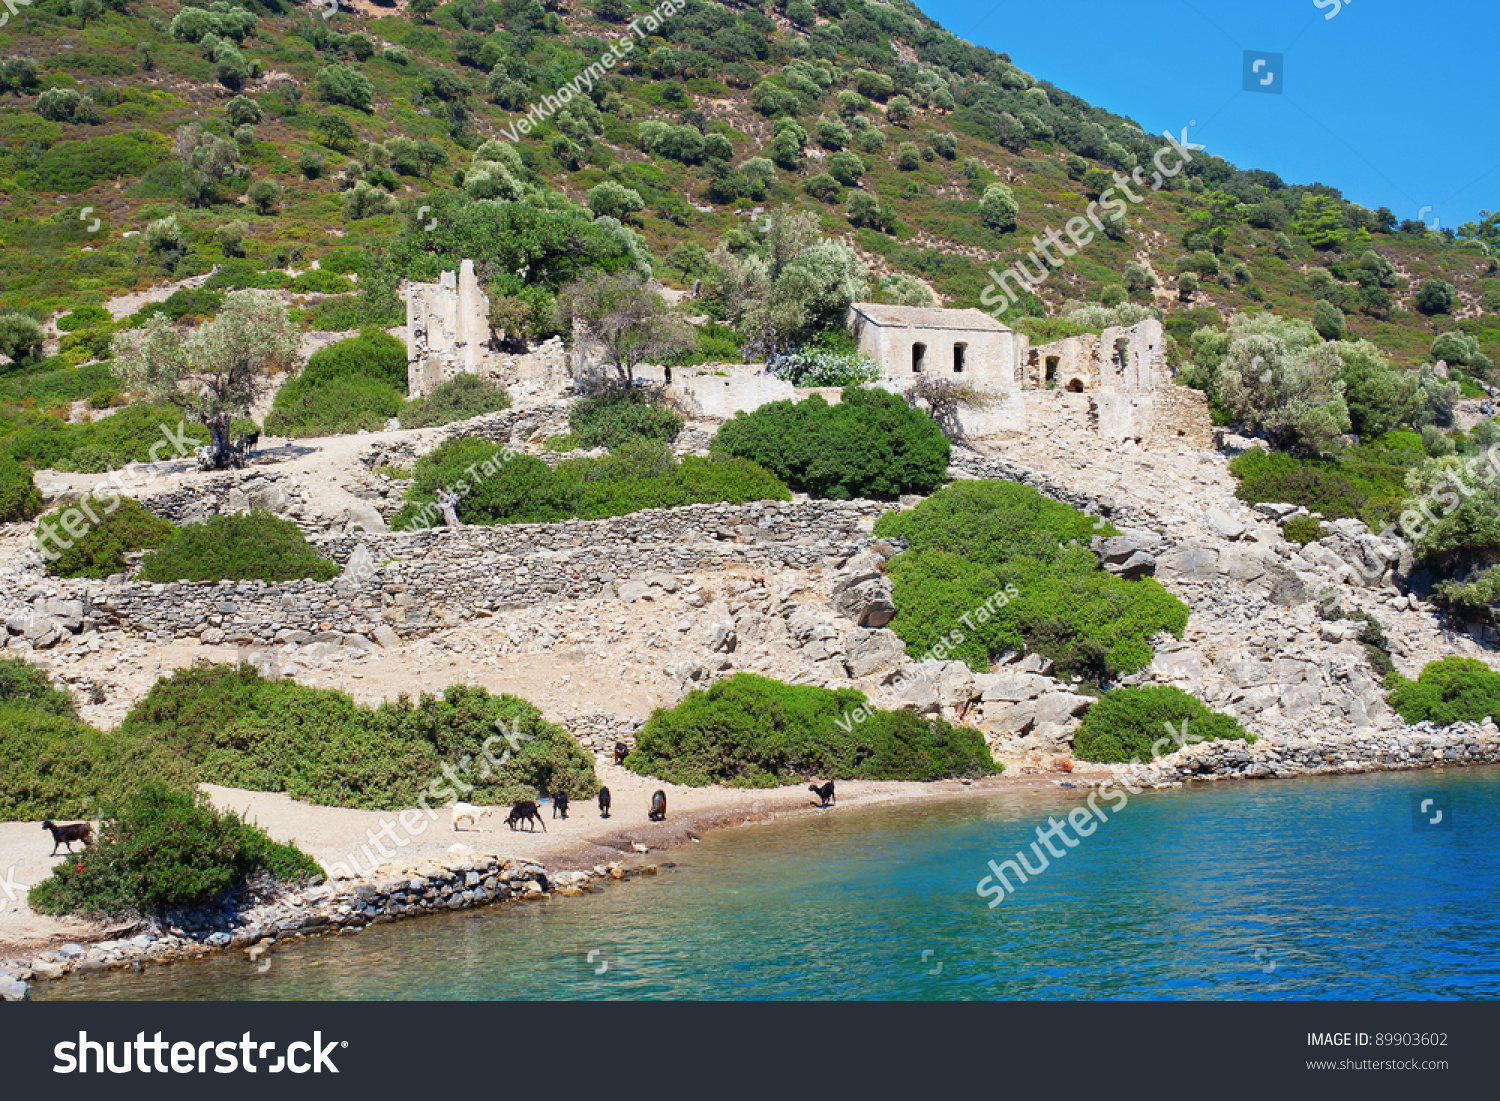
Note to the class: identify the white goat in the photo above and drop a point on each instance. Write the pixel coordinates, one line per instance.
(469, 811)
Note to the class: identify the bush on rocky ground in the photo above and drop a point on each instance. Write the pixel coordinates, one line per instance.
(871, 444)
(101, 550)
(619, 414)
(1453, 690)
(749, 731)
(359, 382)
(460, 398)
(976, 539)
(161, 848)
(19, 497)
(317, 745)
(520, 489)
(1141, 724)
(254, 546)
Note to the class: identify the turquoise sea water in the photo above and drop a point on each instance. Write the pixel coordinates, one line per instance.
(1318, 888)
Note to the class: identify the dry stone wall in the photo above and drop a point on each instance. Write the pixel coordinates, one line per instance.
(423, 581)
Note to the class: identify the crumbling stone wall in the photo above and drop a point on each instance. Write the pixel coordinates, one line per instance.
(422, 581)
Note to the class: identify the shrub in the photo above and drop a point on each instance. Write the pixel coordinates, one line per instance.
(21, 337)
(25, 687)
(164, 848)
(263, 195)
(319, 746)
(460, 398)
(748, 731)
(622, 413)
(1137, 724)
(343, 84)
(19, 497)
(815, 367)
(1366, 482)
(998, 208)
(318, 281)
(254, 546)
(519, 489)
(359, 382)
(974, 540)
(1434, 296)
(59, 767)
(613, 200)
(101, 550)
(1302, 530)
(871, 444)
(84, 317)
(1453, 690)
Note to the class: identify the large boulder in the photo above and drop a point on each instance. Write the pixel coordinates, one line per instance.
(868, 603)
(867, 652)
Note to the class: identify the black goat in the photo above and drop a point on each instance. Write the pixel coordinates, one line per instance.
(525, 811)
(621, 752)
(604, 802)
(658, 807)
(66, 835)
(825, 793)
(560, 804)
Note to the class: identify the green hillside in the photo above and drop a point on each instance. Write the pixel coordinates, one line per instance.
(324, 138)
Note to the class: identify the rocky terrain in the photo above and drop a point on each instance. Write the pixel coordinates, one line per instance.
(599, 622)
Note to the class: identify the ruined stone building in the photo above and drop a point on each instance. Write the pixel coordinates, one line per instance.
(447, 329)
(1123, 373)
(914, 340)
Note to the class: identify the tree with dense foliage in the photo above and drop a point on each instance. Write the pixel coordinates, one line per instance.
(794, 285)
(998, 208)
(1282, 381)
(21, 337)
(1434, 296)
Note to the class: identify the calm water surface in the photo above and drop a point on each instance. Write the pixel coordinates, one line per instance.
(1315, 888)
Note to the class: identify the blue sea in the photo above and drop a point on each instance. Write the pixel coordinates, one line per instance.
(1317, 888)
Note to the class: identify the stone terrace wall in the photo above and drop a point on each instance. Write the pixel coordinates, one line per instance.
(430, 579)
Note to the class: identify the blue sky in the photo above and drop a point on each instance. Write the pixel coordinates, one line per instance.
(1389, 101)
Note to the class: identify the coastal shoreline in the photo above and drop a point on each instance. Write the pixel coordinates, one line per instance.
(573, 865)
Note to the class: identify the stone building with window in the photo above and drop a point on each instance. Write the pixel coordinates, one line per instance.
(1122, 371)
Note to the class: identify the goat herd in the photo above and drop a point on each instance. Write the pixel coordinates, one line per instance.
(524, 811)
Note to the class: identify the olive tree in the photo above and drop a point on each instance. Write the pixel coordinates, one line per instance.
(218, 371)
(631, 322)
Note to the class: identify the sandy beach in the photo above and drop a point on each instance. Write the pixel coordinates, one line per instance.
(337, 834)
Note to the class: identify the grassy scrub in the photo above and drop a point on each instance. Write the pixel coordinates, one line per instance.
(160, 848)
(316, 744)
(749, 731)
(496, 486)
(974, 539)
(1141, 724)
(254, 546)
